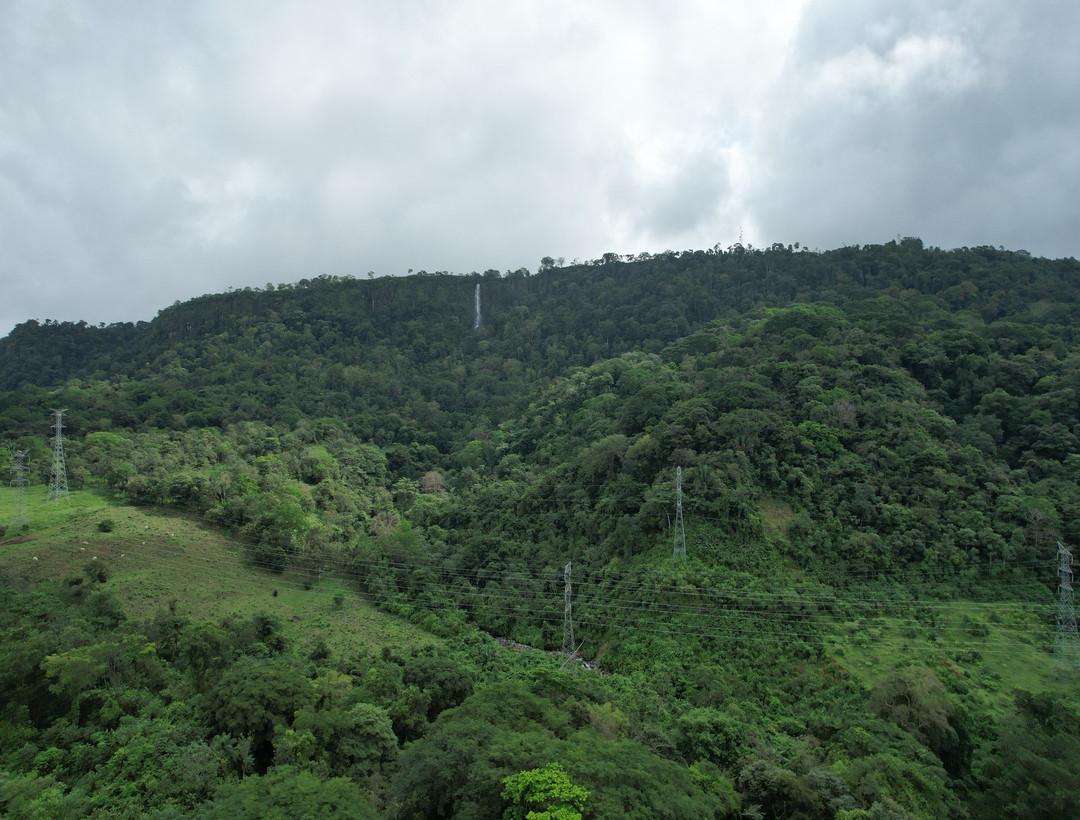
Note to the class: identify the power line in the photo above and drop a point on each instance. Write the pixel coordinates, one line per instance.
(631, 614)
(751, 633)
(868, 574)
(635, 616)
(825, 594)
(830, 598)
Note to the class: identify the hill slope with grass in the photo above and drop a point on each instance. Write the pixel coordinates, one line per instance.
(155, 558)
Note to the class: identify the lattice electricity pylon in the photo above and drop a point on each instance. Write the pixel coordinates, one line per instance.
(569, 648)
(19, 518)
(1065, 641)
(58, 483)
(679, 551)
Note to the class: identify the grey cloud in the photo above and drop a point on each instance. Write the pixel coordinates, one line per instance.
(671, 202)
(152, 152)
(946, 123)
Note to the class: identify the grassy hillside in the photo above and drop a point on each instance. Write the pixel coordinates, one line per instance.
(983, 650)
(157, 559)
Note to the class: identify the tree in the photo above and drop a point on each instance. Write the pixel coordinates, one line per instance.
(459, 768)
(543, 794)
(253, 697)
(287, 794)
(916, 701)
(446, 683)
(87, 667)
(351, 742)
(204, 648)
(708, 734)
(432, 483)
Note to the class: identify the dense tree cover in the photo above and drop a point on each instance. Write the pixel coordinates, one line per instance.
(889, 424)
(110, 718)
(837, 428)
(1032, 771)
(398, 358)
(288, 793)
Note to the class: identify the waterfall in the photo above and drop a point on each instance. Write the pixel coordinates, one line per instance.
(476, 302)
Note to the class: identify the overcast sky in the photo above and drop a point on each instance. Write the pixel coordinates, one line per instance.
(154, 151)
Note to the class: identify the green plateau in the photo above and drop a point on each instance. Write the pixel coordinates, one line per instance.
(413, 547)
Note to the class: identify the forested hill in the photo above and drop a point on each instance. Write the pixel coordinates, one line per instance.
(331, 346)
(876, 450)
(561, 316)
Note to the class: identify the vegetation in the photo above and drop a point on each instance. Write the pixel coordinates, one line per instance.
(549, 789)
(303, 515)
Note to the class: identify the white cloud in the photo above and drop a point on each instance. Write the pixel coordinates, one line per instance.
(916, 64)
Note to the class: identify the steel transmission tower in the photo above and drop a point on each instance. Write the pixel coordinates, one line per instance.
(1065, 644)
(19, 519)
(680, 531)
(569, 648)
(58, 485)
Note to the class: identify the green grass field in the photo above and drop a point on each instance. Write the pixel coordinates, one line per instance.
(155, 557)
(982, 650)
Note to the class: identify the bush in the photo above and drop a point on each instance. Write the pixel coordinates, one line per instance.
(320, 652)
(105, 525)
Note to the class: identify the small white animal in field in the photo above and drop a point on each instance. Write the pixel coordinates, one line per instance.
(35, 557)
(82, 549)
(94, 558)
